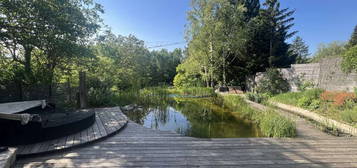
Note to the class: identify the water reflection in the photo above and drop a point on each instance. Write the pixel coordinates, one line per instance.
(196, 117)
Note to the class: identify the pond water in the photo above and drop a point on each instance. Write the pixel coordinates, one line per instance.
(195, 117)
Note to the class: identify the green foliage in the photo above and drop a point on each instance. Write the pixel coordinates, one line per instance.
(311, 100)
(274, 125)
(100, 93)
(349, 62)
(256, 97)
(304, 102)
(315, 104)
(293, 98)
(183, 80)
(331, 50)
(305, 85)
(31, 24)
(273, 83)
(270, 123)
(278, 24)
(231, 40)
(309, 103)
(349, 115)
(353, 40)
(193, 91)
(299, 51)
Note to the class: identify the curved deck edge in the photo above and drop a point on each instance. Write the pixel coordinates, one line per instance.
(109, 121)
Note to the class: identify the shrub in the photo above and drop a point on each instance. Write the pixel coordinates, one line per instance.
(304, 102)
(349, 62)
(309, 99)
(258, 98)
(273, 83)
(305, 85)
(187, 80)
(349, 115)
(99, 92)
(315, 104)
(309, 103)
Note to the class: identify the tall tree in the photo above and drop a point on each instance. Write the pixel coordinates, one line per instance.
(59, 28)
(299, 50)
(279, 22)
(353, 40)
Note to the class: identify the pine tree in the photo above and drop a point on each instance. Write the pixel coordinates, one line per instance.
(278, 25)
(299, 51)
(353, 40)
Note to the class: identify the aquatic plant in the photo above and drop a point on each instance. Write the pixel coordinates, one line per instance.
(271, 123)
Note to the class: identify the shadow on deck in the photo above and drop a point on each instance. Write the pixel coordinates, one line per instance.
(136, 146)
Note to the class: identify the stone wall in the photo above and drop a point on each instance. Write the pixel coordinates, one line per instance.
(331, 77)
(327, 74)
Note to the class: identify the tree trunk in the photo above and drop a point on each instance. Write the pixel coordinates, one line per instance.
(69, 90)
(224, 70)
(83, 100)
(27, 65)
(211, 58)
(271, 48)
(207, 77)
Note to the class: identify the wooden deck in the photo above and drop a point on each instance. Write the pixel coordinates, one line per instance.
(7, 158)
(16, 107)
(136, 146)
(108, 121)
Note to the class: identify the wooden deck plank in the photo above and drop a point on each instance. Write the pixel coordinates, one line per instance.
(77, 138)
(95, 132)
(101, 126)
(137, 146)
(16, 107)
(150, 148)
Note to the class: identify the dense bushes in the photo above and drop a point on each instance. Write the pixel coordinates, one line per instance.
(273, 83)
(270, 123)
(256, 97)
(186, 80)
(100, 93)
(349, 62)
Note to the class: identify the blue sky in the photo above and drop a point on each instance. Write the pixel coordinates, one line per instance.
(163, 21)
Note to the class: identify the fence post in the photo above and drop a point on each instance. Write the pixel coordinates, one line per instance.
(83, 95)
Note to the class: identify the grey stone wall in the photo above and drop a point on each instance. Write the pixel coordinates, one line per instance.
(331, 77)
(327, 74)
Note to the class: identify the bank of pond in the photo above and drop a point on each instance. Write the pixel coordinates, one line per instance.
(198, 112)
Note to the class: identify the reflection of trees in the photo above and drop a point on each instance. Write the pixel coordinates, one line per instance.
(207, 118)
(137, 116)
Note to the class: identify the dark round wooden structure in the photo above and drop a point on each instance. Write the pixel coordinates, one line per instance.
(53, 123)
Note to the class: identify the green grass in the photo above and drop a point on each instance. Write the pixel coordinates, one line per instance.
(293, 98)
(271, 123)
